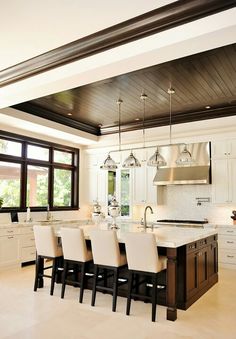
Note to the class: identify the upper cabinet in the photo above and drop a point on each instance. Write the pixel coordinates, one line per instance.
(144, 192)
(224, 172)
(223, 149)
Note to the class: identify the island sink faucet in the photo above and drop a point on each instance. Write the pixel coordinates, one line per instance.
(48, 213)
(145, 216)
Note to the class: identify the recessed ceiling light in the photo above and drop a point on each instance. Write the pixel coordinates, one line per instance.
(207, 107)
(136, 119)
(69, 114)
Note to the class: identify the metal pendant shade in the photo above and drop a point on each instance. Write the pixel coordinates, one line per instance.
(109, 164)
(185, 158)
(156, 160)
(131, 162)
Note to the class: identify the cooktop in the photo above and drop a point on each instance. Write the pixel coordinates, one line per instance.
(200, 222)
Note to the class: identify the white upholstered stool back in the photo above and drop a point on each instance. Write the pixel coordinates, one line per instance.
(142, 253)
(74, 245)
(46, 242)
(105, 248)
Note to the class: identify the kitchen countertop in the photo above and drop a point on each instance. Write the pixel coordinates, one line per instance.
(166, 236)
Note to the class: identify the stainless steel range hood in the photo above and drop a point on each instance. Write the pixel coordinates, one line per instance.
(197, 173)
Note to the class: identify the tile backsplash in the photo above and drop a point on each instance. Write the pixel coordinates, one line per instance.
(180, 203)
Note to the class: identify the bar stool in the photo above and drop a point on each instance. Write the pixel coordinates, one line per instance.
(75, 252)
(107, 256)
(143, 259)
(47, 248)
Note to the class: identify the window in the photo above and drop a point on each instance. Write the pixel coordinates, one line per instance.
(63, 157)
(10, 175)
(37, 186)
(10, 147)
(36, 174)
(36, 152)
(62, 187)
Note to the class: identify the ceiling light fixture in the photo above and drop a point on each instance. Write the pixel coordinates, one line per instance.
(109, 163)
(132, 161)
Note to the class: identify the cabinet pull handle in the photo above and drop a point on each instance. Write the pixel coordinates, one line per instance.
(230, 256)
(10, 231)
(230, 242)
(230, 231)
(10, 237)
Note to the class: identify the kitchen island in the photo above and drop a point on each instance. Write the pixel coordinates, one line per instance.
(192, 261)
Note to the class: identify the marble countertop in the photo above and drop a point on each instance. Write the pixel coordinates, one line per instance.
(166, 236)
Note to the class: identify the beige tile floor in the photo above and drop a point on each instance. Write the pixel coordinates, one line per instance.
(25, 314)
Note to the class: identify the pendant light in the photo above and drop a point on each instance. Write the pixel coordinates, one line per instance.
(109, 163)
(156, 160)
(185, 158)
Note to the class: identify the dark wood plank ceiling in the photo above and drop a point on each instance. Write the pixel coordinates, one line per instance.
(200, 80)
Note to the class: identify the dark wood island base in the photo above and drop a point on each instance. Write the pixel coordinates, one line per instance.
(192, 269)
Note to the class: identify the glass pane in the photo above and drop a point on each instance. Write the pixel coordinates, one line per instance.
(62, 187)
(10, 147)
(111, 185)
(38, 153)
(125, 193)
(37, 186)
(63, 157)
(10, 183)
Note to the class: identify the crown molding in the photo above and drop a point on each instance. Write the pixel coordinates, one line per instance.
(160, 19)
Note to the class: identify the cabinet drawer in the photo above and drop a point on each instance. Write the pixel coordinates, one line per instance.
(227, 257)
(227, 242)
(26, 230)
(227, 231)
(191, 247)
(8, 231)
(28, 254)
(27, 240)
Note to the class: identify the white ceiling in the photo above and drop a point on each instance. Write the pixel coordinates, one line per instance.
(32, 27)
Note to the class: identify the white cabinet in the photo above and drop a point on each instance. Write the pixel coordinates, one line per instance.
(95, 180)
(9, 248)
(227, 246)
(224, 181)
(27, 244)
(144, 192)
(223, 149)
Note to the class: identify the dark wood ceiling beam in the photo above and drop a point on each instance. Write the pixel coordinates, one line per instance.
(158, 20)
(46, 114)
(176, 119)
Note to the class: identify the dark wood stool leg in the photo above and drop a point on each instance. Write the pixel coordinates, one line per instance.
(36, 273)
(94, 285)
(82, 282)
(54, 268)
(63, 287)
(41, 270)
(130, 284)
(105, 279)
(154, 296)
(115, 288)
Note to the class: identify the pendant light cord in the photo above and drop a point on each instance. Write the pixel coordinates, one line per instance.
(119, 102)
(144, 98)
(170, 92)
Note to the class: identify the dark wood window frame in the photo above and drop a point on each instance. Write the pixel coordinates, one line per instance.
(24, 161)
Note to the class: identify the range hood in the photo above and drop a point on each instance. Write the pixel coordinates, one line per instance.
(197, 173)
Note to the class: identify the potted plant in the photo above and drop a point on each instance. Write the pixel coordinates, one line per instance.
(1, 202)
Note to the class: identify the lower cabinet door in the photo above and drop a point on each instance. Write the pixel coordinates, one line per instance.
(212, 260)
(192, 278)
(202, 268)
(9, 250)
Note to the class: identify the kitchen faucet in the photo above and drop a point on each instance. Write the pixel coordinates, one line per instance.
(48, 213)
(145, 216)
